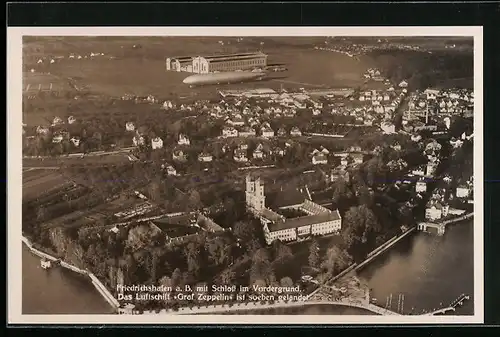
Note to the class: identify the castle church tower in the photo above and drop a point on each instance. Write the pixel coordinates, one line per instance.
(254, 193)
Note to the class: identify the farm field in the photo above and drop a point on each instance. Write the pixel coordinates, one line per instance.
(36, 184)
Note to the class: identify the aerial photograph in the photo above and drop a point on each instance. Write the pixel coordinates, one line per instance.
(248, 175)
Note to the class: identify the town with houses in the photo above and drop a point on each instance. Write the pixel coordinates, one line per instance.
(232, 189)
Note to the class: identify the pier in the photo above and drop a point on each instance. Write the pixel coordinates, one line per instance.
(451, 307)
(440, 227)
(101, 288)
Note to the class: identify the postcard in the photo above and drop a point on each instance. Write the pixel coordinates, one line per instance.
(265, 175)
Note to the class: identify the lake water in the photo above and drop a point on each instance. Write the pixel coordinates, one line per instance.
(57, 290)
(422, 272)
(426, 271)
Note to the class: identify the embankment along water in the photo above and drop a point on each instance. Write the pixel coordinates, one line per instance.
(79, 274)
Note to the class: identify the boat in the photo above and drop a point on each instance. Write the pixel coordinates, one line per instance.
(45, 264)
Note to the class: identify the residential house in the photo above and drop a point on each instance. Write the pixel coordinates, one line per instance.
(237, 120)
(247, 132)
(396, 146)
(388, 127)
(295, 132)
(403, 84)
(462, 191)
(171, 171)
(138, 140)
(156, 143)
(129, 126)
(57, 138)
(71, 120)
(282, 132)
(205, 157)
(431, 168)
(300, 104)
(76, 141)
(431, 94)
(228, 132)
(416, 138)
(240, 155)
(258, 153)
(42, 130)
(418, 171)
(279, 151)
(57, 121)
(183, 140)
(357, 158)
(267, 132)
(421, 186)
(436, 210)
(179, 155)
(319, 158)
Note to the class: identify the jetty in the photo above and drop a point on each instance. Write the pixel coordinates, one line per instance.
(441, 226)
(47, 261)
(451, 307)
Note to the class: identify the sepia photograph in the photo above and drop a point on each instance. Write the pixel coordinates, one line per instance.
(245, 175)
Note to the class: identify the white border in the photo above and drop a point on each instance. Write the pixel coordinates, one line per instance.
(14, 131)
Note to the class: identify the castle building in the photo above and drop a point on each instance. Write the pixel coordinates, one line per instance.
(318, 220)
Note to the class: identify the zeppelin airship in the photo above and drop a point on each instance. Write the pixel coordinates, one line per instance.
(223, 78)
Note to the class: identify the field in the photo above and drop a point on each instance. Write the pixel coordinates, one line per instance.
(140, 70)
(35, 182)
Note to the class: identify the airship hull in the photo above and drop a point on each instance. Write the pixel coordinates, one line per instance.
(222, 78)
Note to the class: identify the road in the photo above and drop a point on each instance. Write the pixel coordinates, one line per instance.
(54, 163)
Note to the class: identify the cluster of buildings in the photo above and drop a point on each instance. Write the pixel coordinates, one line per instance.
(375, 75)
(217, 63)
(353, 49)
(440, 103)
(316, 221)
(438, 206)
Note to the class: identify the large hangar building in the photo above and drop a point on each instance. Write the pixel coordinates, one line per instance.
(217, 63)
(183, 63)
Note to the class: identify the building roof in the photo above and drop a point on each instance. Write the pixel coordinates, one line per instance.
(305, 220)
(181, 58)
(287, 197)
(176, 226)
(238, 56)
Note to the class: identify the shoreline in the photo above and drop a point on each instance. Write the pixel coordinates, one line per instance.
(98, 285)
(248, 306)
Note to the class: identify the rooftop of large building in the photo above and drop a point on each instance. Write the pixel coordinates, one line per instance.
(176, 226)
(237, 56)
(305, 221)
(286, 197)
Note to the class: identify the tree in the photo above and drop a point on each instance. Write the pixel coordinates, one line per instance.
(286, 282)
(358, 223)
(154, 190)
(193, 266)
(192, 250)
(341, 191)
(41, 213)
(218, 251)
(194, 199)
(283, 253)
(176, 277)
(243, 231)
(335, 260)
(227, 277)
(313, 254)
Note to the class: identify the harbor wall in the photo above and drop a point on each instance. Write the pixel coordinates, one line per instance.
(101, 288)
